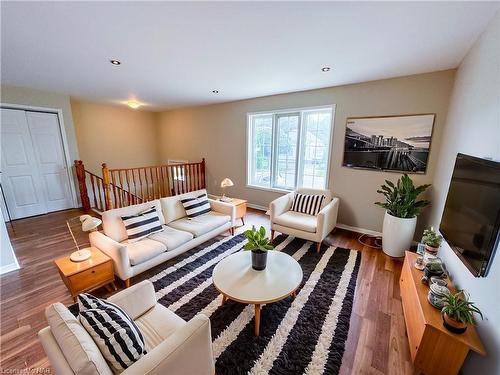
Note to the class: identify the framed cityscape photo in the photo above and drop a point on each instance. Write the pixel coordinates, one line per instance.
(389, 143)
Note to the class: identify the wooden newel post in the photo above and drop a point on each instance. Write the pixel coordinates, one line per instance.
(203, 173)
(82, 184)
(107, 187)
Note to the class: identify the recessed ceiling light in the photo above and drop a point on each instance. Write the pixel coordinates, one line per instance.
(133, 104)
(115, 62)
(215, 91)
(325, 69)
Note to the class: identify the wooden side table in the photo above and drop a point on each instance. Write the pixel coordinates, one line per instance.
(241, 208)
(88, 275)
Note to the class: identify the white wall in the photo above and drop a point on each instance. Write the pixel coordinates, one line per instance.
(8, 261)
(473, 127)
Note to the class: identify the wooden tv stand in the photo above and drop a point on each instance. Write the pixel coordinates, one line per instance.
(433, 349)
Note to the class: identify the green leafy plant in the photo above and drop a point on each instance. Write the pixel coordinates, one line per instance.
(431, 238)
(401, 199)
(458, 307)
(257, 240)
(435, 267)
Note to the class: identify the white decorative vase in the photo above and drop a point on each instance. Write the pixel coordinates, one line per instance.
(397, 235)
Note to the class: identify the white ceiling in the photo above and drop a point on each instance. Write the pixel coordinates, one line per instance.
(175, 54)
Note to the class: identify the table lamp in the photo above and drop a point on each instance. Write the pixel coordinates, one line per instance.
(225, 184)
(89, 224)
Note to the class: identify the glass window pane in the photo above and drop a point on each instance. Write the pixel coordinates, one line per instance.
(287, 127)
(261, 148)
(316, 146)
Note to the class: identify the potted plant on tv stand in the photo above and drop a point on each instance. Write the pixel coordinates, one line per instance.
(259, 245)
(458, 312)
(432, 241)
(402, 209)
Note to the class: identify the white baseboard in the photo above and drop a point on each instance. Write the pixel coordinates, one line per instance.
(9, 267)
(257, 207)
(360, 230)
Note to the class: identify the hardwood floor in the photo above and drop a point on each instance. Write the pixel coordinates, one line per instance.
(377, 342)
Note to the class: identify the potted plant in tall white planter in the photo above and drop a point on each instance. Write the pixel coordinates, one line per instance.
(402, 209)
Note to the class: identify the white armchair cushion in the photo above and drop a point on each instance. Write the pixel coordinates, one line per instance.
(80, 351)
(201, 224)
(297, 220)
(157, 324)
(144, 250)
(171, 238)
(136, 300)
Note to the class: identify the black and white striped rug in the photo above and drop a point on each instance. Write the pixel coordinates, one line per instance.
(301, 335)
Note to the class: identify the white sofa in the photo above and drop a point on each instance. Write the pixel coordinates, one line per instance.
(312, 228)
(173, 345)
(179, 235)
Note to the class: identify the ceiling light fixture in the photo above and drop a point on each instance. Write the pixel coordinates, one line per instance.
(215, 91)
(133, 104)
(115, 62)
(325, 69)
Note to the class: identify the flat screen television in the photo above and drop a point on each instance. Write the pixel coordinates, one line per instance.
(471, 217)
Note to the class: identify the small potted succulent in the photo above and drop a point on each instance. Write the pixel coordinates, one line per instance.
(458, 312)
(432, 240)
(259, 245)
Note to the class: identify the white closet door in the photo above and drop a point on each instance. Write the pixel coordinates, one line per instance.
(21, 180)
(49, 153)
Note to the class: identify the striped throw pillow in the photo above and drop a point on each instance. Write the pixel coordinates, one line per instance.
(142, 225)
(307, 204)
(196, 206)
(115, 334)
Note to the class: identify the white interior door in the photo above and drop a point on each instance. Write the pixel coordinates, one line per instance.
(20, 178)
(35, 177)
(49, 153)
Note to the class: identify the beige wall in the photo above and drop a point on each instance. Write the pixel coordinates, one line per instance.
(473, 127)
(218, 133)
(118, 136)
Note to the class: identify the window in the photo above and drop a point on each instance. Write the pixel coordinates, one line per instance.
(289, 149)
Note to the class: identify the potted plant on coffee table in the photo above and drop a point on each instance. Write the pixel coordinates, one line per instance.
(259, 245)
(458, 312)
(402, 208)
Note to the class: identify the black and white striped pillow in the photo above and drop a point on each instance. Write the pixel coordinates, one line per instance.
(115, 334)
(142, 225)
(196, 206)
(307, 204)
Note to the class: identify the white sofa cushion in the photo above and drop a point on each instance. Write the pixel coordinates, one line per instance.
(171, 238)
(144, 250)
(79, 350)
(172, 206)
(297, 220)
(112, 222)
(157, 324)
(201, 224)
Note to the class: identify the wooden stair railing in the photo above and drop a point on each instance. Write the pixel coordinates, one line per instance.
(127, 186)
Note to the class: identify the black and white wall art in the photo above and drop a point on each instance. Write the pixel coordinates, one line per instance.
(390, 143)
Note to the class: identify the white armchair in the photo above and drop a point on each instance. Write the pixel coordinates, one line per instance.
(312, 228)
(173, 345)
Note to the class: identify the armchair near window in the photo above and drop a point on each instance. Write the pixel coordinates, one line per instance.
(312, 228)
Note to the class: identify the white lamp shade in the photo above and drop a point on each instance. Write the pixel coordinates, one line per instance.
(226, 182)
(89, 223)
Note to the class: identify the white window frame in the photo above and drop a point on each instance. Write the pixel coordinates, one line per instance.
(300, 148)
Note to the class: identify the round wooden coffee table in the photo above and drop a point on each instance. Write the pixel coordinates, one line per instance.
(235, 278)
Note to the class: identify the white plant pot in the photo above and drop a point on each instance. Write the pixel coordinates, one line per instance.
(397, 235)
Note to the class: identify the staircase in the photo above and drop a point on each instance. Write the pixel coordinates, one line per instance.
(123, 187)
